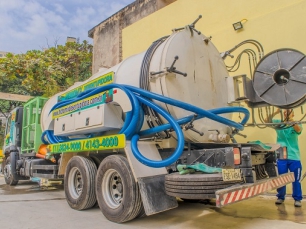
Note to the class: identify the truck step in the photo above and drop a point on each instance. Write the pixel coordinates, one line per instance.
(46, 171)
(45, 167)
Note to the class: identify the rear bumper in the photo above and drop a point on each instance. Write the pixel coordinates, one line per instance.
(245, 191)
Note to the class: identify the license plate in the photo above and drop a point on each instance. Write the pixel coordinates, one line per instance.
(231, 174)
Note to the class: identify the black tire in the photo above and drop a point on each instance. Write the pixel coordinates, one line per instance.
(200, 183)
(117, 192)
(2, 166)
(191, 191)
(142, 213)
(190, 201)
(7, 172)
(191, 196)
(194, 177)
(96, 160)
(195, 186)
(79, 183)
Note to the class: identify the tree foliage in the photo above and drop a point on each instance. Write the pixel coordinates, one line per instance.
(46, 72)
(43, 73)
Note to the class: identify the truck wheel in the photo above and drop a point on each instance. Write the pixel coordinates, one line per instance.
(2, 166)
(7, 172)
(195, 186)
(117, 192)
(79, 183)
(142, 213)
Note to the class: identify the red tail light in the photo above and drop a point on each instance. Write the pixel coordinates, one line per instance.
(237, 156)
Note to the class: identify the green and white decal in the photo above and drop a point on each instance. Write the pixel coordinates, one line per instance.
(10, 129)
(100, 81)
(95, 100)
(90, 144)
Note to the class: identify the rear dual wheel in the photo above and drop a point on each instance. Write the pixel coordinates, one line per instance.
(79, 183)
(117, 192)
(113, 186)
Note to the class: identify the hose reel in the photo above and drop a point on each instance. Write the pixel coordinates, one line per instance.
(280, 78)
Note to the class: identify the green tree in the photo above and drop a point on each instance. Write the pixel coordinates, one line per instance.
(44, 73)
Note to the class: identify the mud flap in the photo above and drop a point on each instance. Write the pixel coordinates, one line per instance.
(241, 192)
(154, 196)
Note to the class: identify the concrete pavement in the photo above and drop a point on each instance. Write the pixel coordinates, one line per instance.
(28, 206)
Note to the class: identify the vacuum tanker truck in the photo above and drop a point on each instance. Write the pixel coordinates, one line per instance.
(137, 136)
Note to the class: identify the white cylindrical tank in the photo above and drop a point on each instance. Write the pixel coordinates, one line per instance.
(204, 86)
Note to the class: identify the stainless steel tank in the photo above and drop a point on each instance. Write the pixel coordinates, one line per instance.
(204, 84)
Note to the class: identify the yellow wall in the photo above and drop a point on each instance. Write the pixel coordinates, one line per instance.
(274, 23)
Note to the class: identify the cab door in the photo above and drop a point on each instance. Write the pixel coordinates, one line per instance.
(9, 132)
(13, 129)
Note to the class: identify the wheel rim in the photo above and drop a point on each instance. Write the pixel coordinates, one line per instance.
(7, 171)
(75, 183)
(112, 188)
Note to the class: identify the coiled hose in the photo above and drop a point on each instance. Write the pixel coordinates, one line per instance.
(134, 119)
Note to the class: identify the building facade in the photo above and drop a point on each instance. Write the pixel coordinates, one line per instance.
(3, 54)
(276, 24)
(107, 36)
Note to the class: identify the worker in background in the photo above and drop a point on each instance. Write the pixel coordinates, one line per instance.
(288, 139)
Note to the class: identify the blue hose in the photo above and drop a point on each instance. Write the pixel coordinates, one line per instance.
(134, 119)
(48, 137)
(44, 139)
(180, 147)
(128, 118)
(140, 121)
(189, 118)
(190, 107)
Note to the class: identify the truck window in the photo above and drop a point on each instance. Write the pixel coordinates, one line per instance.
(8, 124)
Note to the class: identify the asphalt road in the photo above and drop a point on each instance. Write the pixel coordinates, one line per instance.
(29, 206)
